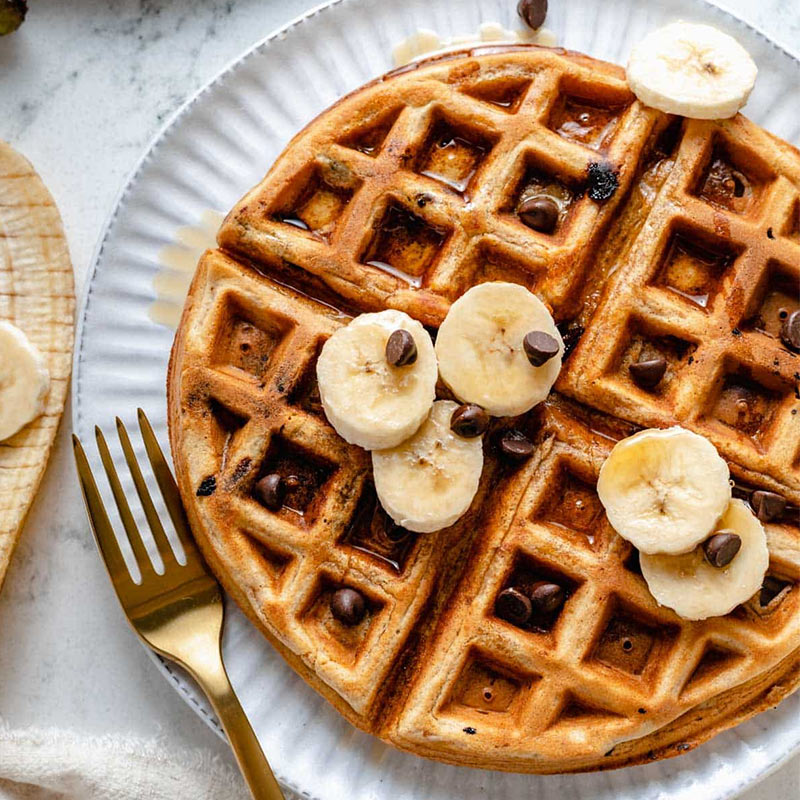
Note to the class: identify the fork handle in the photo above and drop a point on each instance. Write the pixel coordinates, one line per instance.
(251, 759)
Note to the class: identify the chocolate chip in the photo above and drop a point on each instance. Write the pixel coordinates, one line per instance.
(533, 12)
(648, 373)
(348, 606)
(513, 606)
(469, 421)
(539, 347)
(207, 486)
(546, 598)
(722, 548)
(601, 182)
(516, 445)
(540, 213)
(470, 730)
(270, 490)
(401, 349)
(767, 505)
(790, 331)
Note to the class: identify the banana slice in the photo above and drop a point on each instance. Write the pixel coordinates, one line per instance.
(695, 589)
(481, 354)
(367, 400)
(429, 481)
(664, 490)
(693, 70)
(24, 381)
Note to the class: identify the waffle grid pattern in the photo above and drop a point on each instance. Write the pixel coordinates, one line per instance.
(300, 551)
(739, 386)
(613, 661)
(420, 176)
(470, 227)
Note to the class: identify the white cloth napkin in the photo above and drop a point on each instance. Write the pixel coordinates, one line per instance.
(58, 765)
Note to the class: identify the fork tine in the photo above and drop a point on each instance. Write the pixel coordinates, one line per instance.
(137, 545)
(166, 482)
(101, 525)
(156, 528)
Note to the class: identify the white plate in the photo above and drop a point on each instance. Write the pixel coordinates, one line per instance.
(218, 145)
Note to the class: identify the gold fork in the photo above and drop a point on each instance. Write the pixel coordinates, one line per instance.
(178, 613)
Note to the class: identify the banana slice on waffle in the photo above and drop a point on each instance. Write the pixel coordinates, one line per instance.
(664, 490)
(695, 71)
(499, 347)
(377, 379)
(695, 586)
(428, 482)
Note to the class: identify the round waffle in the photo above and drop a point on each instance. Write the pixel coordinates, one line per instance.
(677, 238)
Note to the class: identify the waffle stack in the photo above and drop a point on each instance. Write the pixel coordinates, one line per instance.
(674, 238)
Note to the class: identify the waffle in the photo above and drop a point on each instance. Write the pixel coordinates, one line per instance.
(36, 295)
(403, 195)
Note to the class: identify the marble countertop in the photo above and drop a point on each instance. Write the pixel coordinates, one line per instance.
(83, 87)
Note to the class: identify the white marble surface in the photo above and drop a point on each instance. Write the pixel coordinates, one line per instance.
(83, 87)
